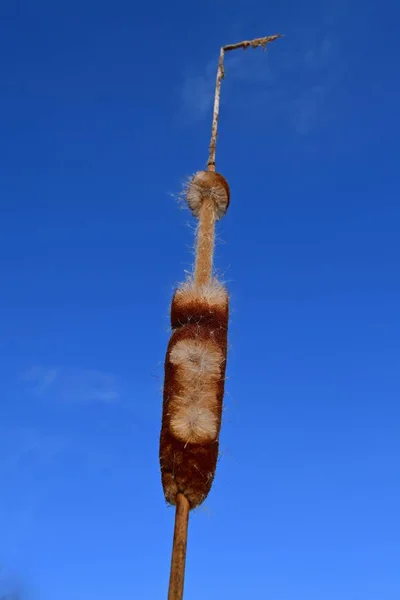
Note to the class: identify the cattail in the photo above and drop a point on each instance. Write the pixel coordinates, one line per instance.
(196, 356)
(196, 359)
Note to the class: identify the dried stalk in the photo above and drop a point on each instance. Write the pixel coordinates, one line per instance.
(178, 559)
(257, 43)
(214, 128)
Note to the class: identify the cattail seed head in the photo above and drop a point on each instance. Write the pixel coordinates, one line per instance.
(208, 184)
(193, 390)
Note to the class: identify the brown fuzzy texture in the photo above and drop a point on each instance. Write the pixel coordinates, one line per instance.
(205, 243)
(199, 318)
(205, 305)
(189, 470)
(193, 407)
(208, 184)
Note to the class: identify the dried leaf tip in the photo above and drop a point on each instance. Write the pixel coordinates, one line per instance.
(258, 42)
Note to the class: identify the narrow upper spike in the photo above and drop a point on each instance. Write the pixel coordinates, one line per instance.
(256, 43)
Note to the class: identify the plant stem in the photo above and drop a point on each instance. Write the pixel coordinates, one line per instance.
(177, 575)
(214, 129)
(205, 244)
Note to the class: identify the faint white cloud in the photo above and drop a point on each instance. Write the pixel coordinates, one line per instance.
(71, 385)
(29, 457)
(308, 108)
(295, 83)
(40, 377)
(319, 56)
(197, 91)
(26, 444)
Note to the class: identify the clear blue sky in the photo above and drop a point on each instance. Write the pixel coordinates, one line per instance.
(105, 110)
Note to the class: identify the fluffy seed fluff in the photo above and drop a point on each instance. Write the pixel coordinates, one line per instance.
(212, 294)
(207, 184)
(194, 410)
(194, 425)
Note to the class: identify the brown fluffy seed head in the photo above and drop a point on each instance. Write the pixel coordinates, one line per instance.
(193, 390)
(208, 184)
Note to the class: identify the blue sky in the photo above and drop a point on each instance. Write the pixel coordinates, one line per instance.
(105, 111)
